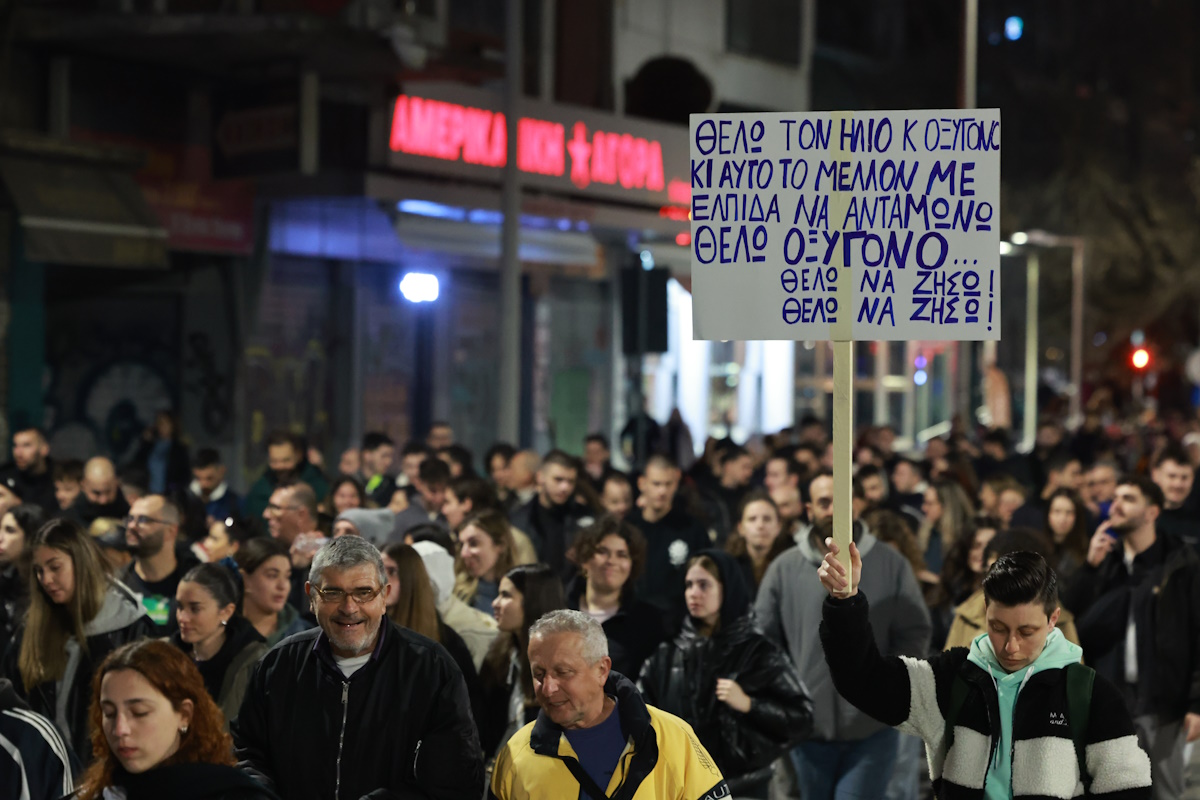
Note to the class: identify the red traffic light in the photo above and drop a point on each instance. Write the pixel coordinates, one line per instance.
(1140, 358)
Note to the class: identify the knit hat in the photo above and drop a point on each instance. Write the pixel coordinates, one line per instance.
(440, 566)
(373, 524)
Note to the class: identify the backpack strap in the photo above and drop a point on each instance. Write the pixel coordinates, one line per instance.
(1079, 708)
(959, 689)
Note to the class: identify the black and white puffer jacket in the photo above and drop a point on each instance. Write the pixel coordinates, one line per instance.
(914, 695)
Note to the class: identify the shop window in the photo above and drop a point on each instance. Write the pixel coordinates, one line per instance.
(864, 409)
(864, 359)
(895, 358)
(806, 359)
(766, 29)
(895, 410)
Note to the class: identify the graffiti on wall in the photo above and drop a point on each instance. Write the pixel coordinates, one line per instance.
(109, 368)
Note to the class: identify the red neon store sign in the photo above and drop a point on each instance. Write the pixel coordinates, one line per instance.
(451, 132)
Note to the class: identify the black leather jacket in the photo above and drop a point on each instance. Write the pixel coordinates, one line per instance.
(681, 677)
(399, 728)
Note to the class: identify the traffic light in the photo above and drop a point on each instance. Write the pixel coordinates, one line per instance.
(1140, 359)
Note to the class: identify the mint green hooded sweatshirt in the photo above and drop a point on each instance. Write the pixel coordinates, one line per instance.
(1057, 653)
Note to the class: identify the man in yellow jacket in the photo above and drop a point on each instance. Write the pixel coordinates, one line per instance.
(594, 737)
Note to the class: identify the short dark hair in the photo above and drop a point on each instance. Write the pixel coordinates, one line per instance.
(784, 454)
(429, 532)
(280, 436)
(434, 472)
(41, 434)
(70, 469)
(135, 476)
(808, 447)
(1019, 578)
(413, 448)
(440, 423)
(374, 440)
(821, 473)
(562, 459)
(660, 461)
(206, 457)
(871, 471)
(502, 449)
(997, 436)
(615, 477)
(730, 452)
(1172, 452)
(459, 455)
(477, 490)
(598, 438)
(1149, 489)
(235, 529)
(1059, 460)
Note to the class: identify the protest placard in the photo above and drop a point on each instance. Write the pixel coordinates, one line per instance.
(907, 201)
(841, 226)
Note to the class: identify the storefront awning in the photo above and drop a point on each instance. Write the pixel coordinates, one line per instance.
(78, 214)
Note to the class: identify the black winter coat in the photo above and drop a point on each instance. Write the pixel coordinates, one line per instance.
(121, 620)
(552, 531)
(1100, 596)
(192, 781)
(634, 632)
(399, 728)
(681, 677)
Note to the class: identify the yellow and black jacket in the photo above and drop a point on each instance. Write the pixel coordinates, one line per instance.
(663, 759)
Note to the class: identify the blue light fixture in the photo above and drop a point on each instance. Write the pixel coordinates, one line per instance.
(919, 377)
(419, 287)
(427, 208)
(485, 216)
(1013, 28)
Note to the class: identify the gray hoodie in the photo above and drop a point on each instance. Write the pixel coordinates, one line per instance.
(476, 628)
(120, 610)
(789, 610)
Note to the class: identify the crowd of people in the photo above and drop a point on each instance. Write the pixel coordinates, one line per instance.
(417, 623)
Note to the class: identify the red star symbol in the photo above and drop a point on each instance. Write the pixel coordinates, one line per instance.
(581, 154)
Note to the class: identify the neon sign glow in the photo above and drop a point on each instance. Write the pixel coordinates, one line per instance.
(452, 132)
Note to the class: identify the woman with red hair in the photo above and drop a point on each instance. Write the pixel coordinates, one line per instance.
(157, 733)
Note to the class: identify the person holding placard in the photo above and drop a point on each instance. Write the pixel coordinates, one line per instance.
(849, 754)
(1015, 715)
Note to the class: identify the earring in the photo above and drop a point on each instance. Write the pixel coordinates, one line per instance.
(183, 729)
(224, 622)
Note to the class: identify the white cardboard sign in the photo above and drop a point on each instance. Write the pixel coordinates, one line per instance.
(846, 225)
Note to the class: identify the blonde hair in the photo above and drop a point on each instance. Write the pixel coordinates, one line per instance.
(43, 654)
(495, 525)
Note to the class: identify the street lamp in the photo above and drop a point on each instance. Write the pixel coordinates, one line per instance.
(1039, 238)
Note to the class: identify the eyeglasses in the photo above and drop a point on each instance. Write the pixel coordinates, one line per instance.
(335, 597)
(141, 520)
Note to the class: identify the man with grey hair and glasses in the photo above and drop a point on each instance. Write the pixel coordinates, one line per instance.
(595, 737)
(357, 707)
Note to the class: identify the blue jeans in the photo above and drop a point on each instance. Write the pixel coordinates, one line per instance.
(858, 770)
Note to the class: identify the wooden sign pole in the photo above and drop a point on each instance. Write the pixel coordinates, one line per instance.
(843, 449)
